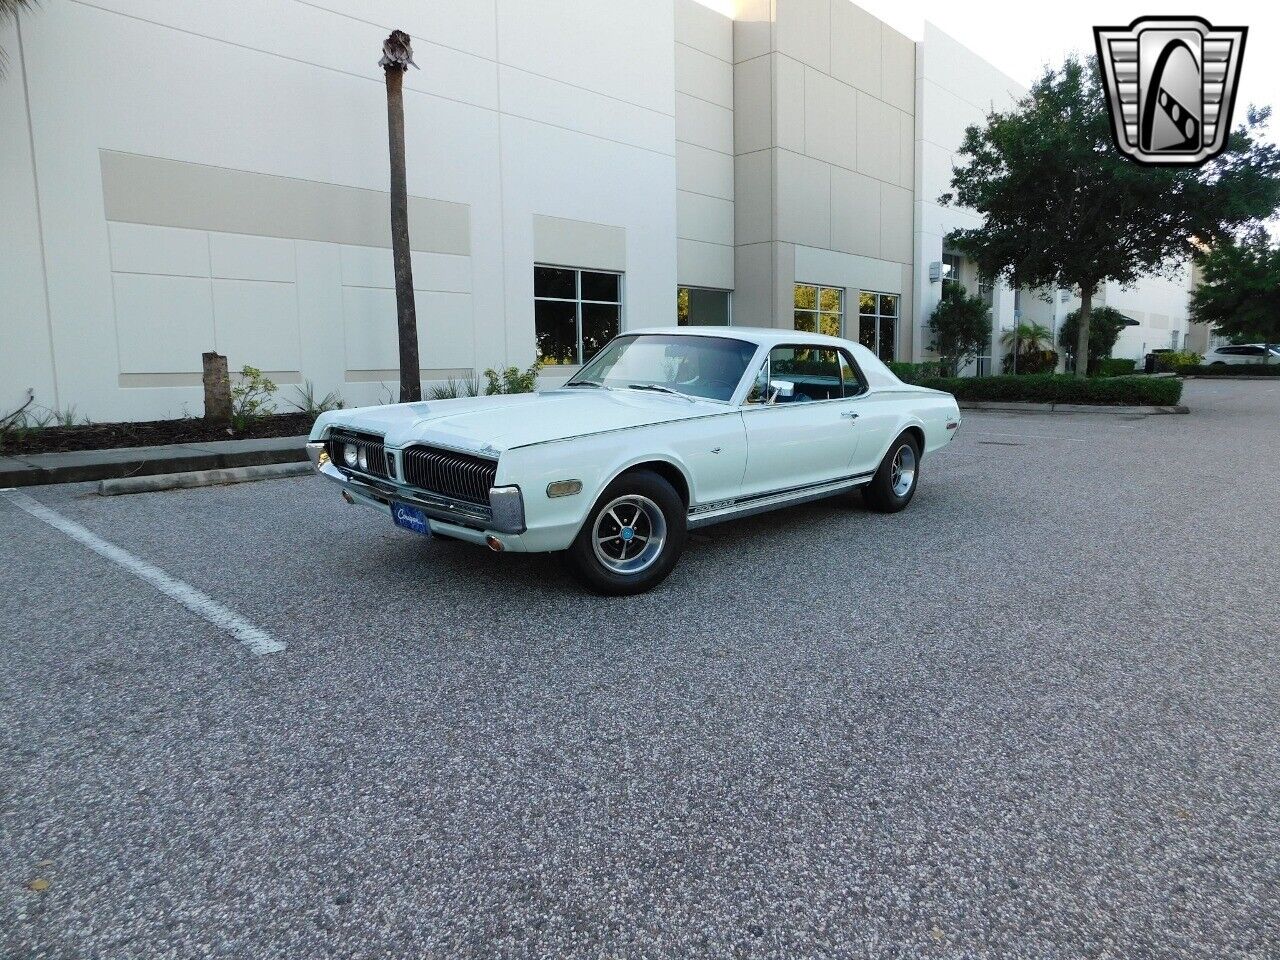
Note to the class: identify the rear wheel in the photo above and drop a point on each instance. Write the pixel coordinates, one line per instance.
(894, 484)
(632, 537)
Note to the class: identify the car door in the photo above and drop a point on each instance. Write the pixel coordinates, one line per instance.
(800, 426)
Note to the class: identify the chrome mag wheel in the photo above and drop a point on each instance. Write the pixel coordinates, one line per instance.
(628, 534)
(902, 472)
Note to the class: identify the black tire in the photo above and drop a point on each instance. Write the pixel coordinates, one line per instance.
(632, 498)
(880, 494)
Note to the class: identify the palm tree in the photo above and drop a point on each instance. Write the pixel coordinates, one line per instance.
(1027, 338)
(397, 57)
(9, 11)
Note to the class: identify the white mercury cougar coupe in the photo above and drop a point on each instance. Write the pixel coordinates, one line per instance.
(664, 430)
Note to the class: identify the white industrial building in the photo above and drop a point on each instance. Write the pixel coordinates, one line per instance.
(182, 176)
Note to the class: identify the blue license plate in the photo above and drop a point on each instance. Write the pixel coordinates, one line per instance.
(410, 518)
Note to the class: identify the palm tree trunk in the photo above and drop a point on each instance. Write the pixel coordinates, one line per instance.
(1082, 335)
(406, 314)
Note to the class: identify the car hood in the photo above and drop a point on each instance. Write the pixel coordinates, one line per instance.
(489, 425)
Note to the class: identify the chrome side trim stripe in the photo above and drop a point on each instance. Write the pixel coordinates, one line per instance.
(748, 506)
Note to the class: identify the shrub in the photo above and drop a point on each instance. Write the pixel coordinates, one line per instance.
(1176, 360)
(1032, 361)
(251, 397)
(308, 404)
(452, 388)
(1105, 326)
(512, 380)
(960, 325)
(1062, 388)
(1116, 366)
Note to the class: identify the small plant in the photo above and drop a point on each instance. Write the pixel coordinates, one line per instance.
(9, 419)
(67, 418)
(308, 404)
(31, 417)
(512, 380)
(251, 397)
(453, 388)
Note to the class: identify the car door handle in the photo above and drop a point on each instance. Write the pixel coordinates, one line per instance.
(849, 415)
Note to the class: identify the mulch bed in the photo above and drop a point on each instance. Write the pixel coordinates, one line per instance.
(147, 433)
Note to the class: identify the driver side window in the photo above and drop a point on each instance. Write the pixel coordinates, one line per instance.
(804, 374)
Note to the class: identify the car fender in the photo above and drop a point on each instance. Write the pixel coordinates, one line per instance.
(709, 455)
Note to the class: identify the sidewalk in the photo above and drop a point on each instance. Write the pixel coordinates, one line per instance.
(82, 465)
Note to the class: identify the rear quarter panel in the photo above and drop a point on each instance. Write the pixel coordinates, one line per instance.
(902, 406)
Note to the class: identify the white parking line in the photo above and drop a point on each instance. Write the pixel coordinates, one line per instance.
(1030, 436)
(257, 641)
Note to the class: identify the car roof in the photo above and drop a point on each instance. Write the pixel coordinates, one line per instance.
(763, 336)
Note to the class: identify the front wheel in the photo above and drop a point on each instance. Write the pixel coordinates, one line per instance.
(632, 537)
(894, 484)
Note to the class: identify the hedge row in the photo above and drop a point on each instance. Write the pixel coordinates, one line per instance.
(1116, 366)
(1060, 388)
(1233, 370)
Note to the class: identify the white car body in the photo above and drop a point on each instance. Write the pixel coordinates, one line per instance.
(1244, 353)
(726, 459)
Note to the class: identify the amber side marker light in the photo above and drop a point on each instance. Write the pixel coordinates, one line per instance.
(564, 488)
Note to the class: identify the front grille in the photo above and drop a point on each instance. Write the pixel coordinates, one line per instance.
(374, 453)
(456, 475)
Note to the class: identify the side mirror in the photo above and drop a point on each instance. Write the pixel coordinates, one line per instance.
(781, 390)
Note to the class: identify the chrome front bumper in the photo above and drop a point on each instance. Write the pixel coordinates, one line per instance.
(505, 513)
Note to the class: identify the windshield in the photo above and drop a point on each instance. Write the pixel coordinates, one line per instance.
(709, 367)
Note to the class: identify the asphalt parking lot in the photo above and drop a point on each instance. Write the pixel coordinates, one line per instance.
(1035, 715)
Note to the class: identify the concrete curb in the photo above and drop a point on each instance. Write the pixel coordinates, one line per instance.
(81, 465)
(1013, 407)
(1232, 379)
(200, 478)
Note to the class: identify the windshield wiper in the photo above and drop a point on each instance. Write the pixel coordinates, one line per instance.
(584, 383)
(659, 388)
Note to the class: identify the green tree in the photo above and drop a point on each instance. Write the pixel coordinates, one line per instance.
(1063, 207)
(1105, 326)
(961, 327)
(1239, 290)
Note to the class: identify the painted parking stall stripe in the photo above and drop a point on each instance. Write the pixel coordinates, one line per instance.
(257, 641)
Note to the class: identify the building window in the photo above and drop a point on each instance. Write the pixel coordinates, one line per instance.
(951, 268)
(878, 323)
(702, 307)
(819, 309)
(575, 312)
(987, 289)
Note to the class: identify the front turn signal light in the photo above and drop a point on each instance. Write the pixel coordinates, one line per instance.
(564, 488)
